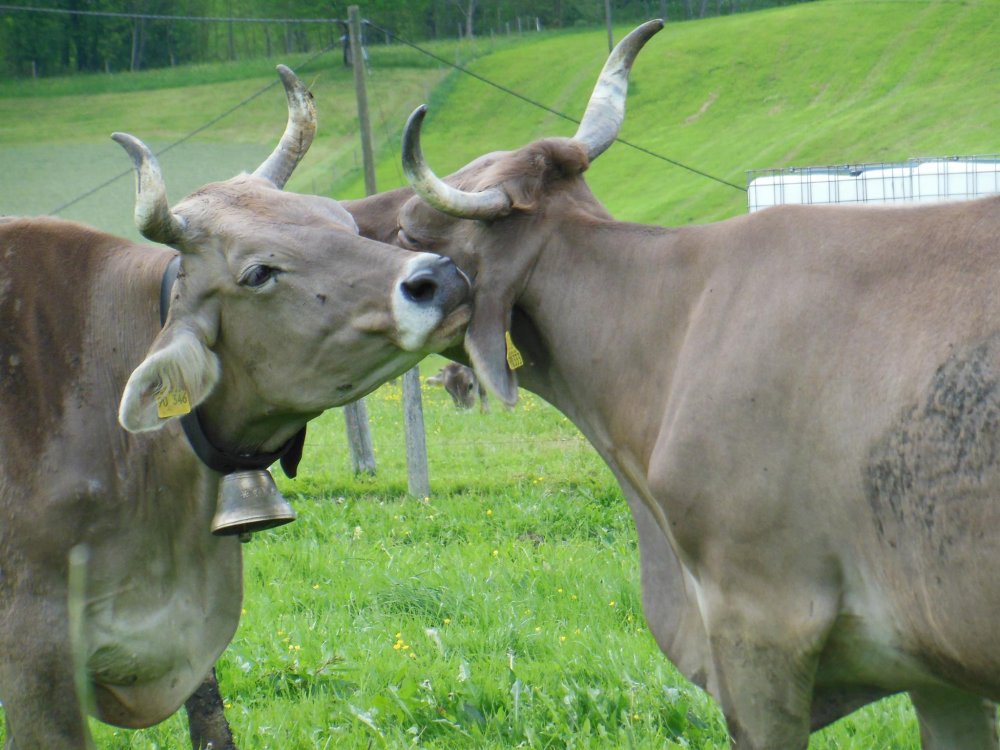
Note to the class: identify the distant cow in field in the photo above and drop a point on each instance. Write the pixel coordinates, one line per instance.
(279, 311)
(462, 385)
(802, 407)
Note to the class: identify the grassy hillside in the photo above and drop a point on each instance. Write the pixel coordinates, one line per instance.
(504, 612)
(828, 82)
(55, 141)
(833, 81)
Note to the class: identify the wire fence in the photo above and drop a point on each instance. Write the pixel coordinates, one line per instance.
(531, 445)
(921, 179)
(388, 34)
(163, 17)
(183, 139)
(554, 447)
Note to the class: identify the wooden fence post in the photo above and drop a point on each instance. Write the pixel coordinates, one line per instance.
(361, 92)
(359, 436)
(413, 410)
(417, 480)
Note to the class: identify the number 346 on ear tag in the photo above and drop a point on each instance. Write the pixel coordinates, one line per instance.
(172, 403)
(514, 358)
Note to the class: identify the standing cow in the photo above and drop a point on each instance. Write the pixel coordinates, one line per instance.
(802, 407)
(279, 311)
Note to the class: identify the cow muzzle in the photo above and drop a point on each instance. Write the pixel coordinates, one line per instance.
(249, 501)
(431, 288)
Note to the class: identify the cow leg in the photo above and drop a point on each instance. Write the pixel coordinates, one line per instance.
(764, 696)
(9, 742)
(955, 720)
(207, 718)
(42, 711)
(765, 656)
(39, 697)
(667, 602)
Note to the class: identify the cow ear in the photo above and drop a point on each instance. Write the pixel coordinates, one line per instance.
(486, 343)
(179, 372)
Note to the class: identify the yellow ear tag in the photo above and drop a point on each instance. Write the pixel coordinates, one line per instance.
(514, 358)
(172, 404)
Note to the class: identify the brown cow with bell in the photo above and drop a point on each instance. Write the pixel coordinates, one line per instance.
(279, 311)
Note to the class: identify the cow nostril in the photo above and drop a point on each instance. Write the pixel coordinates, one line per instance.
(420, 288)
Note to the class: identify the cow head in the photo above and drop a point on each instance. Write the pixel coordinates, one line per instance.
(494, 216)
(280, 310)
(460, 383)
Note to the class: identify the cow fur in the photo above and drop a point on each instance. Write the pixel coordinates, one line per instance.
(79, 317)
(801, 407)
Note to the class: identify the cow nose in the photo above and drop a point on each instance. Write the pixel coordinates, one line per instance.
(420, 287)
(438, 283)
(429, 290)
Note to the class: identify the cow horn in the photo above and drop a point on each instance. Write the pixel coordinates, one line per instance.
(606, 108)
(487, 204)
(298, 135)
(152, 211)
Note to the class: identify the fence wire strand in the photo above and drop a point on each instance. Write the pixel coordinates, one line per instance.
(188, 136)
(162, 17)
(557, 113)
(387, 32)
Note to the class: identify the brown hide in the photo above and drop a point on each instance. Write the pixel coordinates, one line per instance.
(802, 408)
(279, 311)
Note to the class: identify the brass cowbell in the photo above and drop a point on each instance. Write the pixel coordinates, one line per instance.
(249, 501)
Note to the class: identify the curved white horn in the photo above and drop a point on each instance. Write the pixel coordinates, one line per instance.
(152, 211)
(299, 131)
(488, 204)
(606, 109)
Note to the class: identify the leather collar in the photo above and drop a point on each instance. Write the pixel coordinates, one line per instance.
(225, 463)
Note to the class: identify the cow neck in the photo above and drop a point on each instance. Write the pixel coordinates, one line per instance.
(562, 293)
(214, 458)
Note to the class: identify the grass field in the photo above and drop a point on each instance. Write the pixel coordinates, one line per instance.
(503, 611)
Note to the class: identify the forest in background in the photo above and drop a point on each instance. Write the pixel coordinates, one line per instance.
(108, 36)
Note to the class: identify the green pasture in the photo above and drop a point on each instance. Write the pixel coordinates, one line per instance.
(503, 611)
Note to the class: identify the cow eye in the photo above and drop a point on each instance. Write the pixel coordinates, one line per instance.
(406, 241)
(258, 275)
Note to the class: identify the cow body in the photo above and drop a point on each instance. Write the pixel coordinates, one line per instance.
(802, 408)
(279, 311)
(79, 310)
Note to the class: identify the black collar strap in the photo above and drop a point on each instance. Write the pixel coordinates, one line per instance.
(215, 459)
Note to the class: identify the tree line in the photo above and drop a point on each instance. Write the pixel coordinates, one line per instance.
(72, 40)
